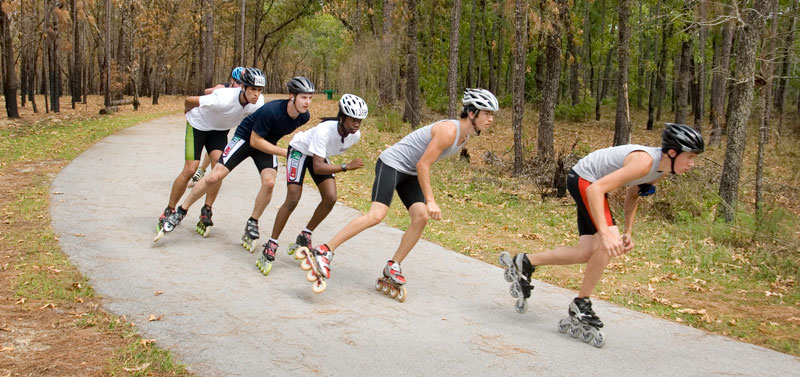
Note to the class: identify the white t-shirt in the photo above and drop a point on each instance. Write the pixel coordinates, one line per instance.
(221, 110)
(323, 140)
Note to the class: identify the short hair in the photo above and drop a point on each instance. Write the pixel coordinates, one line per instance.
(468, 109)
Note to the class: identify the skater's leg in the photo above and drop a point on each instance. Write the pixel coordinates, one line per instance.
(179, 185)
(566, 254)
(265, 193)
(213, 191)
(293, 193)
(594, 269)
(419, 218)
(204, 185)
(208, 159)
(377, 212)
(327, 189)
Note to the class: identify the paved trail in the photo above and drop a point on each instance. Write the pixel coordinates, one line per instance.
(223, 318)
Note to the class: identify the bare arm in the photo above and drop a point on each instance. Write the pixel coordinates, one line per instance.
(258, 142)
(443, 135)
(190, 103)
(322, 167)
(637, 164)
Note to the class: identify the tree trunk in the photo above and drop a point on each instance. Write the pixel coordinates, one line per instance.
(9, 71)
(622, 128)
(77, 53)
(741, 102)
(495, 88)
(661, 79)
(767, 69)
(452, 71)
(722, 57)
(207, 60)
(107, 60)
(54, 62)
(701, 69)
(786, 62)
(682, 84)
(574, 67)
(552, 74)
(518, 89)
(470, 62)
(412, 107)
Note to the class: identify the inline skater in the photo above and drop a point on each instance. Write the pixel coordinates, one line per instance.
(309, 152)
(405, 167)
(208, 120)
(589, 182)
(256, 138)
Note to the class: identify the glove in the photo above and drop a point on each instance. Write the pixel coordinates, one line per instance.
(646, 189)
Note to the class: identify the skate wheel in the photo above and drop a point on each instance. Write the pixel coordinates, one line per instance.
(504, 259)
(515, 289)
(402, 294)
(599, 340)
(158, 235)
(305, 265)
(575, 332)
(564, 326)
(301, 252)
(508, 275)
(378, 285)
(393, 292)
(311, 276)
(266, 268)
(319, 286)
(522, 305)
(385, 289)
(292, 248)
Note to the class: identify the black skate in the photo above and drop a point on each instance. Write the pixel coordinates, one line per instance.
(583, 323)
(264, 262)
(205, 223)
(518, 273)
(250, 235)
(392, 282)
(303, 240)
(173, 220)
(160, 226)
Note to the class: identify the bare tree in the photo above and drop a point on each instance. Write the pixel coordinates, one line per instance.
(9, 71)
(622, 127)
(767, 69)
(412, 108)
(518, 90)
(740, 103)
(786, 62)
(107, 60)
(682, 83)
(701, 67)
(207, 58)
(552, 67)
(722, 57)
(452, 71)
(77, 54)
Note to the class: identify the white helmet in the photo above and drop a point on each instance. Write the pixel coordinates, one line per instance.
(482, 99)
(353, 106)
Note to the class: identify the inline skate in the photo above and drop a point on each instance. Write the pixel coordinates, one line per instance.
(392, 282)
(205, 223)
(197, 176)
(518, 273)
(173, 220)
(583, 323)
(317, 263)
(250, 235)
(303, 240)
(264, 262)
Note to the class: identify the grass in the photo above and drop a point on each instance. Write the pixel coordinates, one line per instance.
(33, 154)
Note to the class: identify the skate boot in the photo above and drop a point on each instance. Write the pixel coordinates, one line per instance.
(583, 323)
(392, 281)
(197, 176)
(303, 240)
(518, 273)
(250, 235)
(160, 227)
(205, 223)
(173, 220)
(318, 264)
(264, 262)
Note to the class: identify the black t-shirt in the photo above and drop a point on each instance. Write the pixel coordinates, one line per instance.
(271, 122)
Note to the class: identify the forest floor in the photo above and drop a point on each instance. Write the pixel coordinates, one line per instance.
(737, 280)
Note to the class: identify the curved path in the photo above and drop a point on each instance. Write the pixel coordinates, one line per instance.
(223, 318)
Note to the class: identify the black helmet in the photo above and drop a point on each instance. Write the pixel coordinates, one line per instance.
(253, 77)
(682, 138)
(300, 84)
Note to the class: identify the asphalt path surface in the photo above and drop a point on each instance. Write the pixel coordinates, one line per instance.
(219, 315)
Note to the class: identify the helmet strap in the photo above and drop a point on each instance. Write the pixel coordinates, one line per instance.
(672, 160)
(474, 127)
(294, 100)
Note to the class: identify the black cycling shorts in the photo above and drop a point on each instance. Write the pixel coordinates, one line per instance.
(296, 165)
(577, 188)
(239, 149)
(387, 180)
(196, 140)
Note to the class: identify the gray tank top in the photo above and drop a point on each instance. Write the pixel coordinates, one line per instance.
(603, 162)
(404, 155)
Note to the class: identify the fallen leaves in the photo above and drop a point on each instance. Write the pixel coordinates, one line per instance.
(137, 369)
(154, 318)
